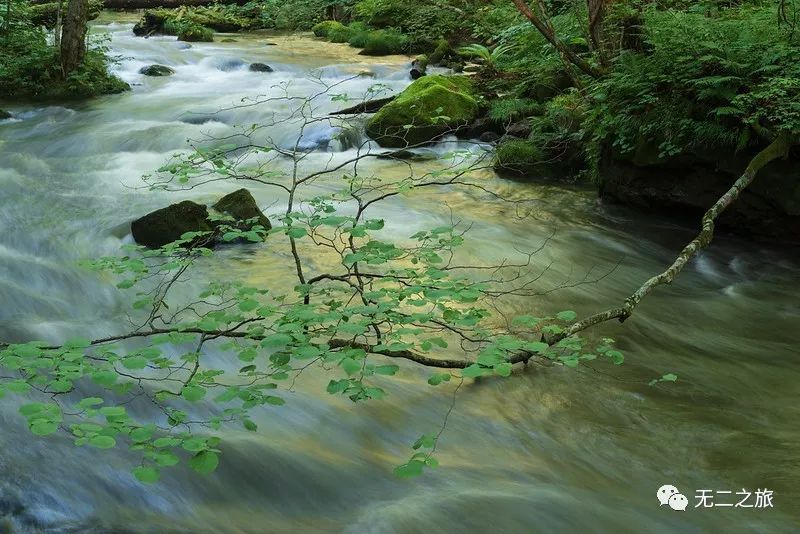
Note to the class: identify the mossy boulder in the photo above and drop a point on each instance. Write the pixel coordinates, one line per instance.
(341, 34)
(175, 21)
(196, 34)
(428, 109)
(156, 70)
(243, 208)
(166, 225)
(385, 43)
(442, 53)
(324, 28)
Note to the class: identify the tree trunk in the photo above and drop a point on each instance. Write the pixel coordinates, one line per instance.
(73, 35)
(597, 14)
(548, 33)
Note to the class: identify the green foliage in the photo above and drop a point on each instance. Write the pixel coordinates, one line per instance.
(518, 155)
(429, 107)
(740, 72)
(195, 33)
(324, 28)
(341, 34)
(510, 110)
(489, 57)
(385, 42)
(46, 14)
(423, 22)
(29, 66)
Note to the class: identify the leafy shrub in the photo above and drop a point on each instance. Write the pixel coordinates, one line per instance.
(29, 66)
(341, 34)
(323, 29)
(678, 98)
(509, 110)
(518, 156)
(384, 43)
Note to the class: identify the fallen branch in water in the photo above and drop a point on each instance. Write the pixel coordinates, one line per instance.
(369, 106)
(779, 148)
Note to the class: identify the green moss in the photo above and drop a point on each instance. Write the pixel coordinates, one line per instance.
(517, 156)
(443, 50)
(430, 107)
(341, 34)
(359, 39)
(177, 21)
(385, 43)
(194, 33)
(323, 29)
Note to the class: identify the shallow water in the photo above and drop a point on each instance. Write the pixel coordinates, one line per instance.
(551, 449)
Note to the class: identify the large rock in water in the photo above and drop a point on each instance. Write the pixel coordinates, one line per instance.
(156, 70)
(259, 67)
(166, 225)
(4, 114)
(242, 206)
(689, 184)
(429, 108)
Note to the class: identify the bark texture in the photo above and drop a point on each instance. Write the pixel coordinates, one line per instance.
(73, 35)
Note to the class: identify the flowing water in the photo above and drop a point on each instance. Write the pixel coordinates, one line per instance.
(551, 449)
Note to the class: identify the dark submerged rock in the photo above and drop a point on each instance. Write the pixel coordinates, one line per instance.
(489, 137)
(4, 114)
(157, 70)
(687, 185)
(260, 67)
(168, 224)
(481, 126)
(521, 129)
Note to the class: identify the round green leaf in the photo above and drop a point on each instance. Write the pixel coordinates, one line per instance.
(204, 462)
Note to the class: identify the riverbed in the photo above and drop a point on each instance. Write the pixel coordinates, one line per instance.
(549, 450)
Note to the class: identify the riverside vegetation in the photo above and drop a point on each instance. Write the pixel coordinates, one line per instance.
(675, 107)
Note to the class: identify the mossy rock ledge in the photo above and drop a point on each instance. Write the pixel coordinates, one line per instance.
(429, 108)
(166, 225)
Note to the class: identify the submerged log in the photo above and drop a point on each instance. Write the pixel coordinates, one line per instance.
(370, 106)
(152, 4)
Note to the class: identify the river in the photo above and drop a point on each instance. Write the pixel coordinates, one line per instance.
(548, 450)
